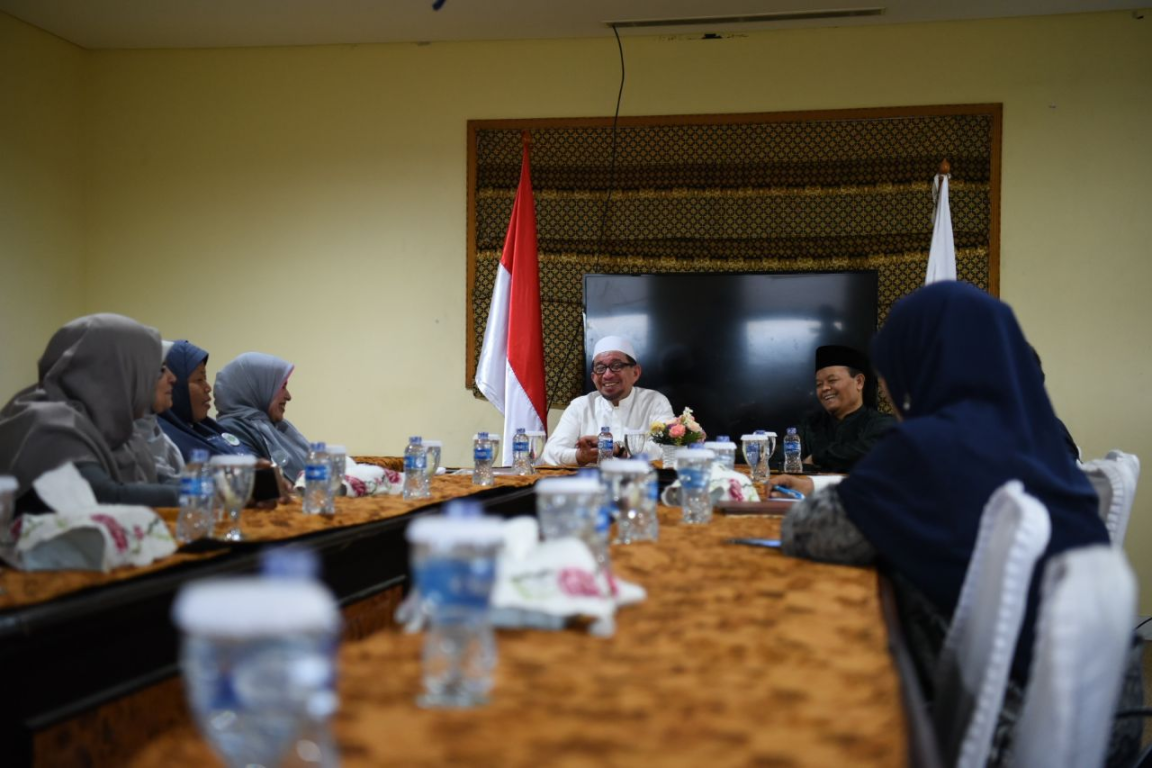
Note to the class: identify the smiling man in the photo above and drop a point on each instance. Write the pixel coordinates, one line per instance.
(839, 435)
(617, 403)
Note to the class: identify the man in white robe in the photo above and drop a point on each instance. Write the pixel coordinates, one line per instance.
(617, 404)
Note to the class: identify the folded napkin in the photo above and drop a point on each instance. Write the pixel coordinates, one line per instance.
(366, 480)
(543, 585)
(83, 534)
(725, 485)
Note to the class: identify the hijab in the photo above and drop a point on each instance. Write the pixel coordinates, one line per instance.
(96, 377)
(178, 422)
(245, 388)
(975, 416)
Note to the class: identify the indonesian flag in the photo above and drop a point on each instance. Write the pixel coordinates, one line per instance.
(511, 368)
(942, 254)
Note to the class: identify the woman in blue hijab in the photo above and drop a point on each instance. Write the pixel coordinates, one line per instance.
(974, 415)
(187, 423)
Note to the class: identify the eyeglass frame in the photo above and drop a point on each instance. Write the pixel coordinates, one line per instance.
(615, 366)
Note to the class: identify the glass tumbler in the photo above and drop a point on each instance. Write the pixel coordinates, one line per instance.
(694, 470)
(454, 567)
(626, 481)
(259, 659)
(756, 454)
(233, 477)
(536, 442)
(337, 464)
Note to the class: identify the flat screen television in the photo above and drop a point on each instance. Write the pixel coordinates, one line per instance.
(738, 349)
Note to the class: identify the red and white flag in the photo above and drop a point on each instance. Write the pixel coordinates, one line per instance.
(511, 368)
(942, 253)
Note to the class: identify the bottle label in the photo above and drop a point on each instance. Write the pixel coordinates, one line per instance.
(315, 472)
(752, 452)
(520, 444)
(190, 486)
(482, 453)
(415, 462)
(692, 478)
(606, 442)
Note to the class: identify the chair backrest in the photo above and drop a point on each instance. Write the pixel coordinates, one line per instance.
(1087, 607)
(978, 650)
(1115, 477)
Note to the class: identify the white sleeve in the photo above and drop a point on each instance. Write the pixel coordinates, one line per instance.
(561, 446)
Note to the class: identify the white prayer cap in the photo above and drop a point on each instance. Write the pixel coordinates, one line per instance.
(614, 344)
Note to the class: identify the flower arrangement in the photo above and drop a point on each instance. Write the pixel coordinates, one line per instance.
(682, 430)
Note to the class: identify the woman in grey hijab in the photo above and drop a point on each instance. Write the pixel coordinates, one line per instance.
(97, 375)
(166, 457)
(251, 395)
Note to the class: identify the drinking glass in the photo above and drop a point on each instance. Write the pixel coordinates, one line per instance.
(337, 463)
(536, 442)
(769, 449)
(432, 451)
(756, 454)
(454, 567)
(694, 470)
(627, 484)
(233, 477)
(258, 657)
(635, 440)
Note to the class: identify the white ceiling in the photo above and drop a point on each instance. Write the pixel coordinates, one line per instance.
(99, 24)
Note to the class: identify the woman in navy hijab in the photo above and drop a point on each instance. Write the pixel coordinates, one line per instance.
(974, 415)
(187, 423)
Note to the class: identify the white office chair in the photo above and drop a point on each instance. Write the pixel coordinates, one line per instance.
(1088, 601)
(1115, 477)
(977, 654)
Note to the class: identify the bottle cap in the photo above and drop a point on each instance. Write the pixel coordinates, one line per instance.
(249, 606)
(521, 431)
(721, 439)
(229, 460)
(461, 509)
(481, 435)
(319, 447)
(567, 486)
(415, 440)
(289, 562)
(791, 430)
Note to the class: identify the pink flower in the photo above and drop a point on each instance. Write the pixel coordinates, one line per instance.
(735, 492)
(677, 430)
(119, 536)
(358, 486)
(575, 581)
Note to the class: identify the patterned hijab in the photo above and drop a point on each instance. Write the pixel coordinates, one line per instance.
(177, 422)
(97, 376)
(975, 416)
(244, 390)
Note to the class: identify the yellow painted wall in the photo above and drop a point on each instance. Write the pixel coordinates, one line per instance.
(41, 217)
(310, 202)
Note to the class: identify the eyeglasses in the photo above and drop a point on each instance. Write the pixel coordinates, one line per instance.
(615, 366)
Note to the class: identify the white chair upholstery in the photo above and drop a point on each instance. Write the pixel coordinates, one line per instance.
(1115, 477)
(1087, 604)
(977, 654)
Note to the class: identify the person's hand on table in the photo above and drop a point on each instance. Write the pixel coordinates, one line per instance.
(795, 482)
(587, 449)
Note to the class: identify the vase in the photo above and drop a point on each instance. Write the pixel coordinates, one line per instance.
(670, 455)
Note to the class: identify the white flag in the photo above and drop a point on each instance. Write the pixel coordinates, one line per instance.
(942, 254)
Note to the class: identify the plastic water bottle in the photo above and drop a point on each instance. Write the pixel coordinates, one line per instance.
(604, 445)
(482, 451)
(652, 482)
(792, 463)
(196, 496)
(415, 468)
(316, 472)
(521, 463)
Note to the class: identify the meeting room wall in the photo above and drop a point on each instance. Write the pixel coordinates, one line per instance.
(41, 213)
(310, 202)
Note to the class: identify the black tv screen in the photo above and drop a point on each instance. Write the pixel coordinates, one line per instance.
(739, 349)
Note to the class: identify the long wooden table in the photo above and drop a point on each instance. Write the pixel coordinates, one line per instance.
(739, 656)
